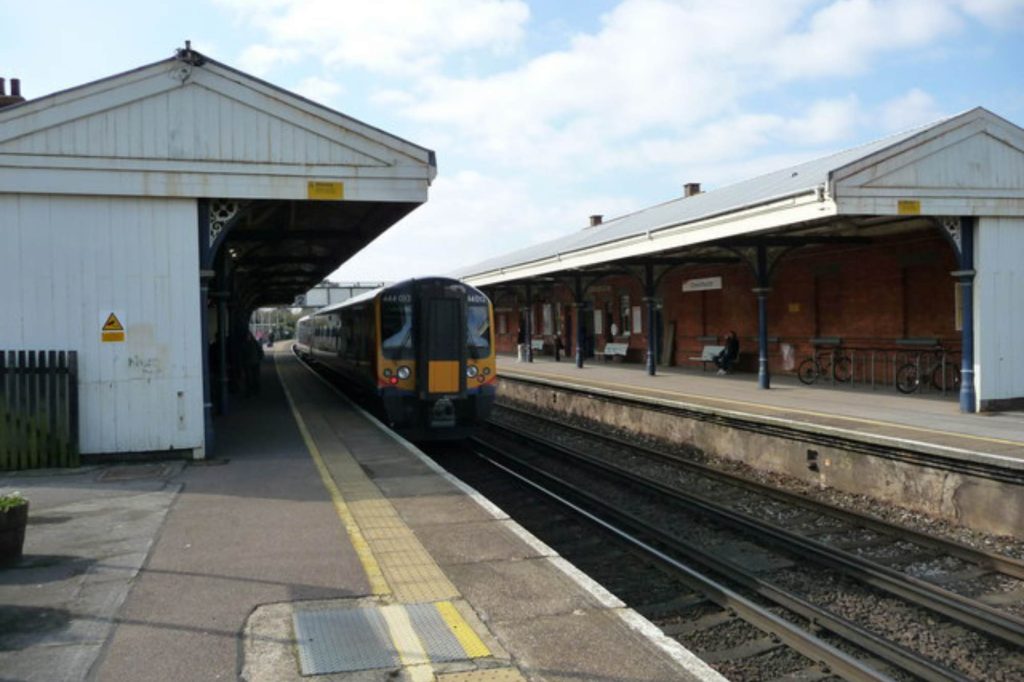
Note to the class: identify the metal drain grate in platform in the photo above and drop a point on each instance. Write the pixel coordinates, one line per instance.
(348, 640)
(343, 640)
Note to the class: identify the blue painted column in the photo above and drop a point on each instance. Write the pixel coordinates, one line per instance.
(762, 290)
(652, 351)
(529, 323)
(206, 274)
(580, 328)
(968, 394)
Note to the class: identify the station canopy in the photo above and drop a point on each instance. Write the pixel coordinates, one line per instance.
(971, 164)
(290, 189)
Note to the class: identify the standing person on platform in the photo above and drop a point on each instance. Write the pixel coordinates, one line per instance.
(252, 358)
(727, 356)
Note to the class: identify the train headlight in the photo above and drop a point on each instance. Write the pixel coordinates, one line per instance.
(487, 370)
(404, 372)
(471, 371)
(387, 373)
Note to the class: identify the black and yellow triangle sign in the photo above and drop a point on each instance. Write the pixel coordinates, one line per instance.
(113, 330)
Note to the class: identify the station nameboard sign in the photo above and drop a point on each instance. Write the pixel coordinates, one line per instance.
(702, 284)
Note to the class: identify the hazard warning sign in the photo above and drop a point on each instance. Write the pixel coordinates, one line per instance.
(113, 330)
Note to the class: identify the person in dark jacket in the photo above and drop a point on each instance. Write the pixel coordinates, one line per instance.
(252, 358)
(727, 356)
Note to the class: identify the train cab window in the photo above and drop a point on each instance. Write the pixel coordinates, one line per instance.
(478, 330)
(396, 327)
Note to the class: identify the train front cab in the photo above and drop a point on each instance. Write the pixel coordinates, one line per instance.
(441, 334)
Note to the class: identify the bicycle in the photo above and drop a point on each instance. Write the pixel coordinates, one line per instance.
(839, 368)
(942, 375)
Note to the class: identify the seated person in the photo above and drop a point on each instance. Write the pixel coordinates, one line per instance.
(728, 354)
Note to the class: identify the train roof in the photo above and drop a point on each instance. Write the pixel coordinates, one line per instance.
(370, 295)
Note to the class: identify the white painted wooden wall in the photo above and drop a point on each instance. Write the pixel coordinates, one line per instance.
(65, 264)
(999, 312)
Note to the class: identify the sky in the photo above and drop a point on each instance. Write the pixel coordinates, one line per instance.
(545, 112)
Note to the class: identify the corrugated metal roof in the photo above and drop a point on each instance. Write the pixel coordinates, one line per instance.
(796, 180)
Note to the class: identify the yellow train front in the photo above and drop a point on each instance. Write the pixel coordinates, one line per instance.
(424, 348)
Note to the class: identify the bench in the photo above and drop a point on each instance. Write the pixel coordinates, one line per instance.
(613, 349)
(537, 345)
(707, 354)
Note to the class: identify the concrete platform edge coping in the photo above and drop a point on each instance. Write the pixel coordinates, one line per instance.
(931, 449)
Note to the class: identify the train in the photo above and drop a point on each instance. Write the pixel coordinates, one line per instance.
(422, 350)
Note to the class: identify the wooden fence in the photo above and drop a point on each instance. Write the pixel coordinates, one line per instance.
(38, 409)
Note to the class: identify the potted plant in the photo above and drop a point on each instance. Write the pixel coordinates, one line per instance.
(13, 519)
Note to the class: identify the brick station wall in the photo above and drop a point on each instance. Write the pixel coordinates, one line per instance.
(868, 295)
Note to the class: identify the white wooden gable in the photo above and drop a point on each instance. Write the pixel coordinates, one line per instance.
(971, 164)
(177, 129)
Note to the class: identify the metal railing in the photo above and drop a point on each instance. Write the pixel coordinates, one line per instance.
(38, 409)
(933, 369)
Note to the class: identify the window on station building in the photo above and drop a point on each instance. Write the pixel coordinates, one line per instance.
(548, 327)
(625, 314)
(502, 323)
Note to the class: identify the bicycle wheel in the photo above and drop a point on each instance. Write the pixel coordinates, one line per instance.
(907, 378)
(807, 372)
(842, 368)
(946, 378)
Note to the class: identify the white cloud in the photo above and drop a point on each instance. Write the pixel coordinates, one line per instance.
(825, 121)
(914, 108)
(847, 36)
(999, 14)
(471, 217)
(393, 36)
(656, 70)
(261, 59)
(319, 89)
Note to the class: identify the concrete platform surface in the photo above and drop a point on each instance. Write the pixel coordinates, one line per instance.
(195, 571)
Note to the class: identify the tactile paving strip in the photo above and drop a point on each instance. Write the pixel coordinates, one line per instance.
(343, 640)
(440, 643)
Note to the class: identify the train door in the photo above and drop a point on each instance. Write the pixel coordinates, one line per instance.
(443, 339)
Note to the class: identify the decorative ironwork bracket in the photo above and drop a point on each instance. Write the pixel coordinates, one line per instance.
(951, 226)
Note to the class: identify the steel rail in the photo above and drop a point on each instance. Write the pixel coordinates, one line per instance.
(998, 563)
(805, 643)
(966, 611)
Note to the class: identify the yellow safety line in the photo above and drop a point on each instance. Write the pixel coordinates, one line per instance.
(378, 584)
(407, 643)
(729, 401)
(470, 641)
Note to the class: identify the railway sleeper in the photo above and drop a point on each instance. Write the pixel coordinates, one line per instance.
(664, 609)
(749, 649)
(711, 620)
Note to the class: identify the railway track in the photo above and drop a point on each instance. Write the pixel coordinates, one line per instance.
(758, 600)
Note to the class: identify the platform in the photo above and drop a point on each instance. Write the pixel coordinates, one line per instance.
(310, 521)
(925, 420)
(915, 451)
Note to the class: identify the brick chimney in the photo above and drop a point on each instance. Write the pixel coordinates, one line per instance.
(691, 188)
(596, 220)
(15, 96)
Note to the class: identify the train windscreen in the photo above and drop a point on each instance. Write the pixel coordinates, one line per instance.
(396, 327)
(478, 330)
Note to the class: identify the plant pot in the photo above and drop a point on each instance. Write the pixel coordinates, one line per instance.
(12, 533)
